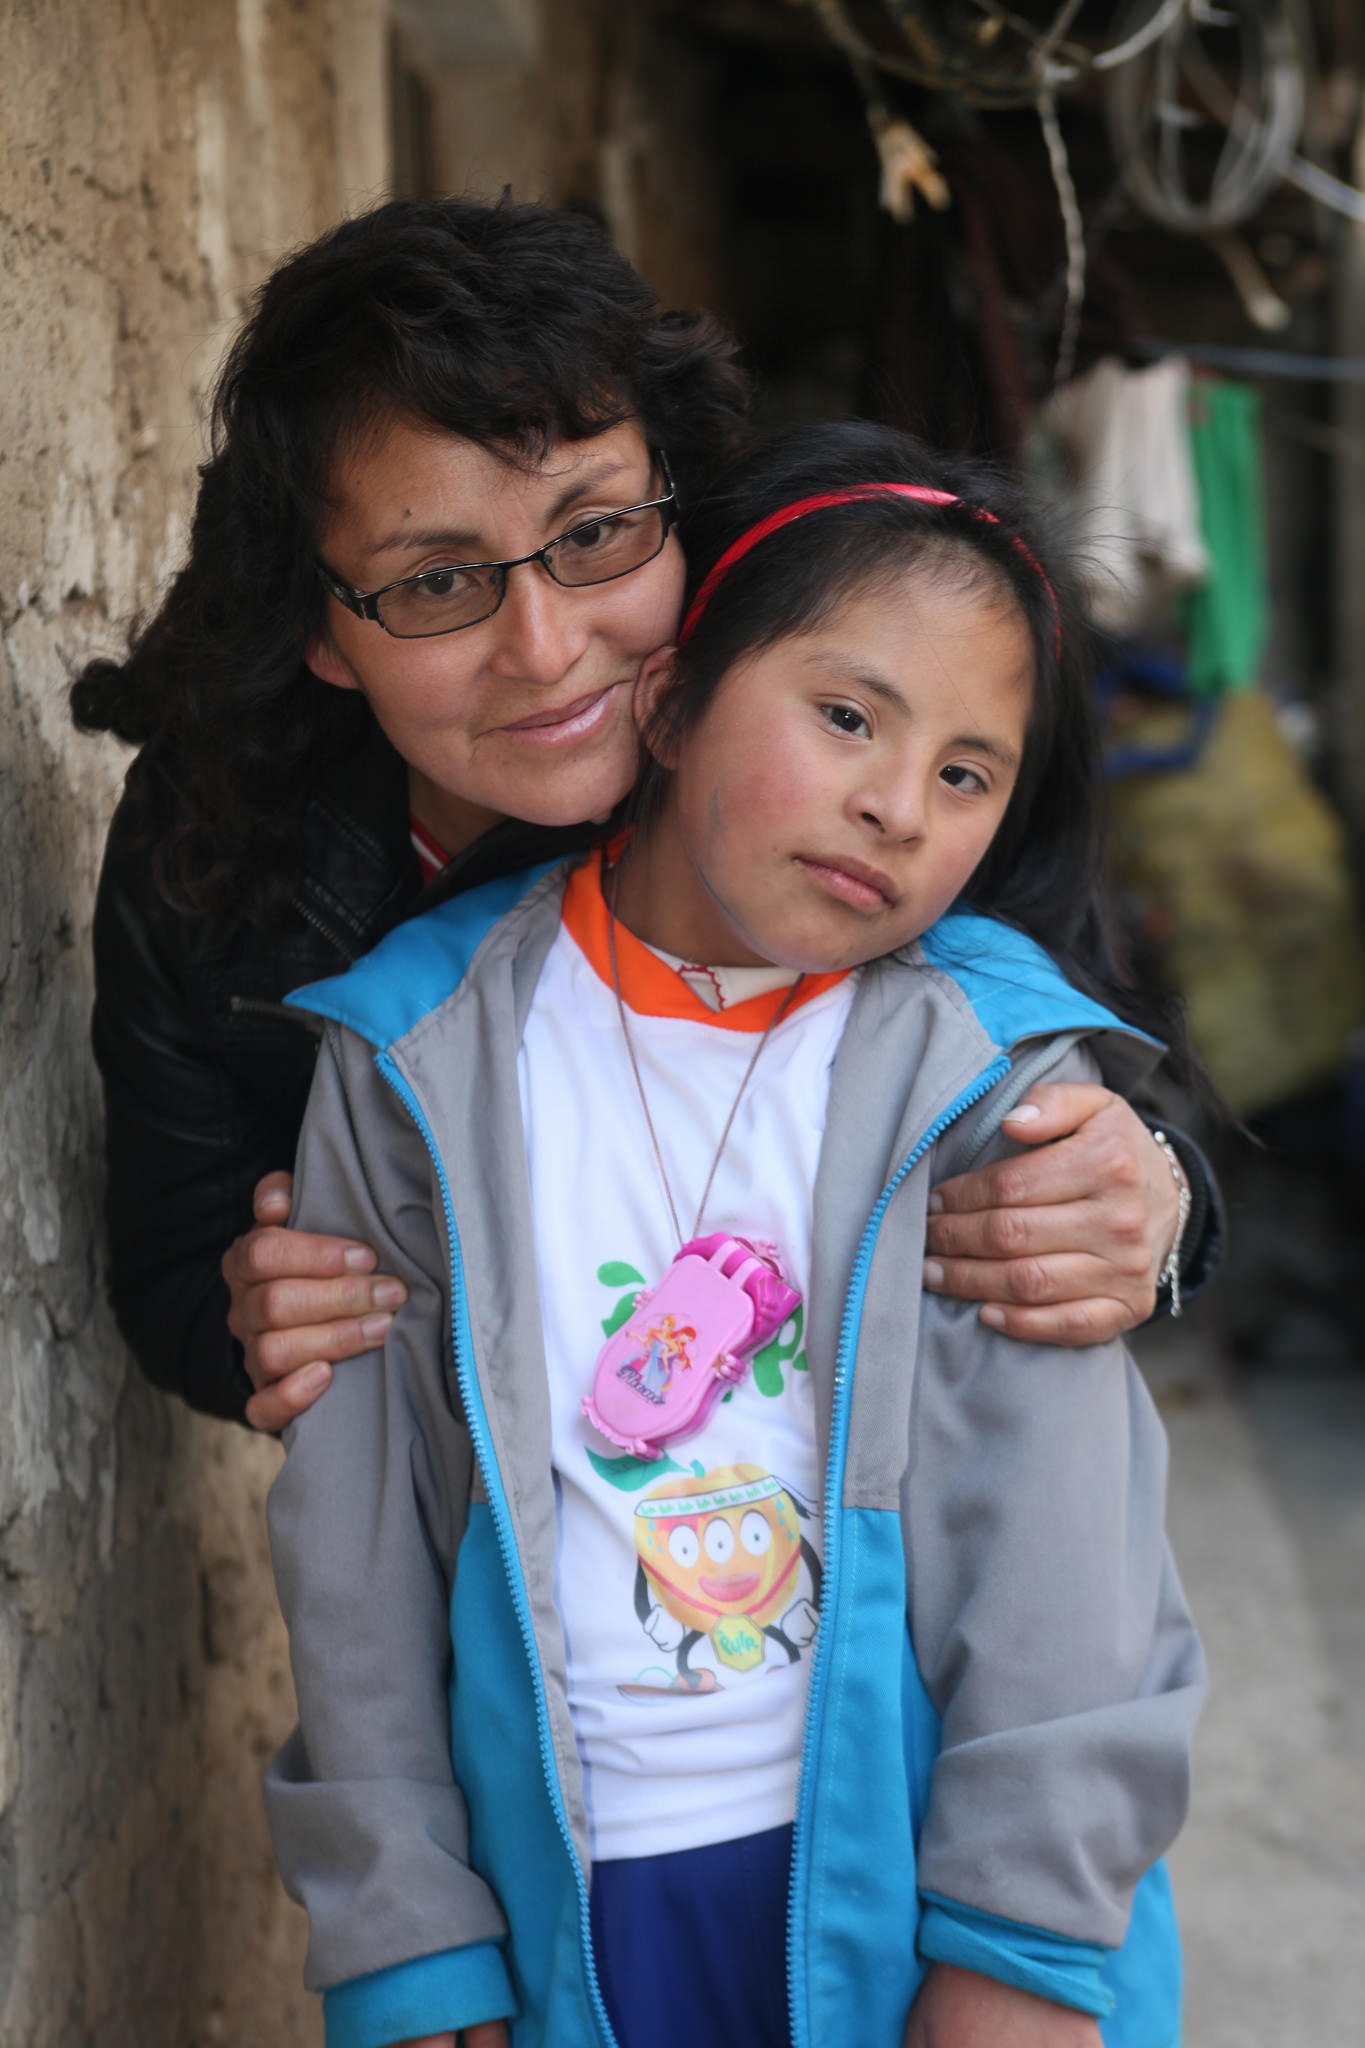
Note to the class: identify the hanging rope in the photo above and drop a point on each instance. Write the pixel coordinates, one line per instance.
(1075, 237)
(1150, 115)
(942, 64)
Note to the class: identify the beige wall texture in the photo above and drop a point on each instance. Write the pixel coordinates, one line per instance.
(156, 156)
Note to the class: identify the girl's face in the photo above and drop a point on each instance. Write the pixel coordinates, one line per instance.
(842, 785)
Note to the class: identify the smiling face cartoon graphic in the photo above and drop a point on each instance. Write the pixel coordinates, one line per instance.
(722, 1555)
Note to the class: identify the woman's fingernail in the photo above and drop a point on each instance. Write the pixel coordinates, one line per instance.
(935, 1202)
(359, 1258)
(1027, 1113)
(372, 1328)
(388, 1294)
(933, 1273)
(994, 1316)
(316, 1377)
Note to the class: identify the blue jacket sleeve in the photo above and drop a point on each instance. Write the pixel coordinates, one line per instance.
(410, 2000)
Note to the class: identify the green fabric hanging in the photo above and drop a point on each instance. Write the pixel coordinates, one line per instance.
(1226, 616)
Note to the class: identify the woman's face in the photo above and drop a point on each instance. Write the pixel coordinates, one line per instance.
(526, 714)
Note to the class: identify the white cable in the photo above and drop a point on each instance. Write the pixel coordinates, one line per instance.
(1259, 144)
(925, 62)
(1075, 237)
(1067, 72)
(1165, 17)
(1041, 52)
(1296, 170)
(1326, 189)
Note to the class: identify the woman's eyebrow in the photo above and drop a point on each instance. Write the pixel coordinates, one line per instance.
(460, 545)
(585, 484)
(468, 546)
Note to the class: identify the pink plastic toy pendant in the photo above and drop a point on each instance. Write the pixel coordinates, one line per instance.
(687, 1341)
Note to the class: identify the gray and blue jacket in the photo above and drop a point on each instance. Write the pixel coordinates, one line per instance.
(1006, 1679)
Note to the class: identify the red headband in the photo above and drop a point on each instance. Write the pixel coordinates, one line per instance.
(852, 496)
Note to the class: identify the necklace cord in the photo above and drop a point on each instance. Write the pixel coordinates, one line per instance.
(771, 1026)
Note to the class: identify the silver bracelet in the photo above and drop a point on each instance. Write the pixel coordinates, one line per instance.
(1169, 1276)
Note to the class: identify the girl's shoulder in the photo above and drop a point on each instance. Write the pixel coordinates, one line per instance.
(1012, 983)
(422, 962)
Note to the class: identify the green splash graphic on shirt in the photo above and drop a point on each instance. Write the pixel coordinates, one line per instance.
(768, 1362)
(783, 1349)
(631, 1473)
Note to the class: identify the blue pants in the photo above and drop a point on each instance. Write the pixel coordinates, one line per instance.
(692, 1948)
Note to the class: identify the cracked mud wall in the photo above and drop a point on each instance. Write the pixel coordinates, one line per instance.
(155, 157)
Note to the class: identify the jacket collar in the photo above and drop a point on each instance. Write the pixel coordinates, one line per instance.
(1003, 985)
(358, 877)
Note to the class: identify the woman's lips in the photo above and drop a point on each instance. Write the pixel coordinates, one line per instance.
(565, 723)
(851, 881)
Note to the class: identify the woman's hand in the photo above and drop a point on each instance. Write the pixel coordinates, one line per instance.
(299, 1301)
(488, 2034)
(1065, 1245)
(959, 2009)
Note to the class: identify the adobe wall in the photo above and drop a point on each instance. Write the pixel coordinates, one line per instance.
(156, 158)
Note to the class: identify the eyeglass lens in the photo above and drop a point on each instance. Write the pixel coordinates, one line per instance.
(444, 599)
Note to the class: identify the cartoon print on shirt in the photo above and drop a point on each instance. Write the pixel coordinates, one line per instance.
(722, 1559)
(652, 1370)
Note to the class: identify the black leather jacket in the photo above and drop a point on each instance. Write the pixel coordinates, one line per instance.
(206, 1074)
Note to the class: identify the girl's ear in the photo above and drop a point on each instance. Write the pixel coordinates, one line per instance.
(323, 658)
(652, 686)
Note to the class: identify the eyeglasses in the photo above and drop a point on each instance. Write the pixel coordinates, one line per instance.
(446, 600)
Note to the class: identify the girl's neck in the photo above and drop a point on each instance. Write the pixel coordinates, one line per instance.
(658, 895)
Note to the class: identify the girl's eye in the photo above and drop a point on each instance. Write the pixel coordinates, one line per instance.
(844, 718)
(957, 776)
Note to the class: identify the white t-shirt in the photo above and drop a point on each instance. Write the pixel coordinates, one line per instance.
(687, 1683)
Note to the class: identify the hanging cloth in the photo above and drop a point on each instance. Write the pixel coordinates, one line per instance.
(1125, 434)
(1225, 617)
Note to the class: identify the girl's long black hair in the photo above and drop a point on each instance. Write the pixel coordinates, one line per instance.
(1044, 871)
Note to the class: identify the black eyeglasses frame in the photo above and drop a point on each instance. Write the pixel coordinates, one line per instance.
(365, 603)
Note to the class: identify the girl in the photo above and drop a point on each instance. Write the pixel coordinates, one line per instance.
(828, 1681)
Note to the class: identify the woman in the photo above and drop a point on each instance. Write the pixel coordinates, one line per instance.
(436, 383)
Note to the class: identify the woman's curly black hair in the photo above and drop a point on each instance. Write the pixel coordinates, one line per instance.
(512, 325)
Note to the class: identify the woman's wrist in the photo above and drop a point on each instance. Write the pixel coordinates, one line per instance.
(1168, 1275)
(1202, 1244)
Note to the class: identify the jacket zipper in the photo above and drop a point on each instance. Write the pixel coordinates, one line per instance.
(346, 947)
(497, 1502)
(838, 1447)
